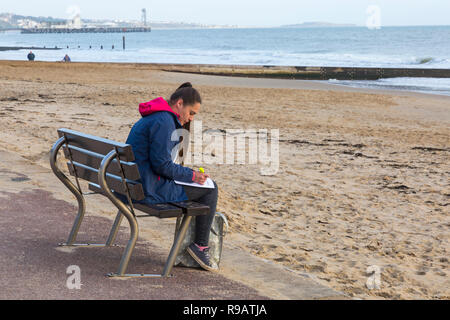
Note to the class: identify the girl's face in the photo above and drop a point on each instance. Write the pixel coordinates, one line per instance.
(188, 112)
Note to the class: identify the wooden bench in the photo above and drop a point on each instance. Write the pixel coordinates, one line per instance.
(109, 168)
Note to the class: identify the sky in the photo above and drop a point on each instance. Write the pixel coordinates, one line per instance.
(263, 13)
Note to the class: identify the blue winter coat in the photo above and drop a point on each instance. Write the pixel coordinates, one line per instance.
(150, 138)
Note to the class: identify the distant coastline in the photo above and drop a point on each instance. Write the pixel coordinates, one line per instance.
(13, 21)
(318, 25)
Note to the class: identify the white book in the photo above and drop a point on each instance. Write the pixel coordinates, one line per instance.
(209, 184)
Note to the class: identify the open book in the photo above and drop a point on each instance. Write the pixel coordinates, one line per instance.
(209, 184)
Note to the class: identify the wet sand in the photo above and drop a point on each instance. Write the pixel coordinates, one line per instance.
(363, 177)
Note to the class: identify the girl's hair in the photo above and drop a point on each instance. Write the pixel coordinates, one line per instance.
(186, 92)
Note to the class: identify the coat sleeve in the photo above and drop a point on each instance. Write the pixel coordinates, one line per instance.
(160, 154)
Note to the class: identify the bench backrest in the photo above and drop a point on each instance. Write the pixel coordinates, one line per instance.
(85, 153)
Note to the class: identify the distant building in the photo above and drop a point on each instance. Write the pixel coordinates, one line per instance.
(76, 22)
(25, 23)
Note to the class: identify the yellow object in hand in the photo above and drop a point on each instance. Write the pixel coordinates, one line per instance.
(201, 170)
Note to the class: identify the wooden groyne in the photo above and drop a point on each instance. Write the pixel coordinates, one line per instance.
(86, 30)
(27, 48)
(305, 73)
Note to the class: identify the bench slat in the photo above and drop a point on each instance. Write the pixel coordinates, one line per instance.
(93, 160)
(192, 208)
(97, 144)
(114, 182)
(161, 211)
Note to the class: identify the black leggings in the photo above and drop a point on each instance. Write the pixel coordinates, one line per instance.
(203, 223)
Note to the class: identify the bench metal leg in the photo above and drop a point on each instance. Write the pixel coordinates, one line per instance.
(76, 192)
(115, 229)
(170, 260)
(134, 233)
(109, 242)
(176, 245)
(76, 226)
(79, 218)
(123, 211)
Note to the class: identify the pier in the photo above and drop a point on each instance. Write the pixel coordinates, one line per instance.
(86, 30)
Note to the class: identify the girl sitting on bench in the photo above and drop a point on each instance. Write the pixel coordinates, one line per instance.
(151, 140)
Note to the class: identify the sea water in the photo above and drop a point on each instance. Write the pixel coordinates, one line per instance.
(388, 47)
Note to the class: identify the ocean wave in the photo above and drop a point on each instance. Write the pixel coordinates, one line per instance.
(244, 57)
(424, 85)
(424, 60)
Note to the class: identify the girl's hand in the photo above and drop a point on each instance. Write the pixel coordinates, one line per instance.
(200, 178)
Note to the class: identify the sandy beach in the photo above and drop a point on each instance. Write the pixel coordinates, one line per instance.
(363, 178)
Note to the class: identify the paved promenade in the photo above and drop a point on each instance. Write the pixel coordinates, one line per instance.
(35, 217)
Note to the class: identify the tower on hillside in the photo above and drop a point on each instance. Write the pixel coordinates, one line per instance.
(144, 17)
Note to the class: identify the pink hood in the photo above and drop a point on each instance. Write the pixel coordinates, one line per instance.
(156, 105)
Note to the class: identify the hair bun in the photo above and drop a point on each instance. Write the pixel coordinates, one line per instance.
(185, 85)
(186, 92)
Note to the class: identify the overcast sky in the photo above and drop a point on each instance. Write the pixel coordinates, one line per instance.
(243, 12)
